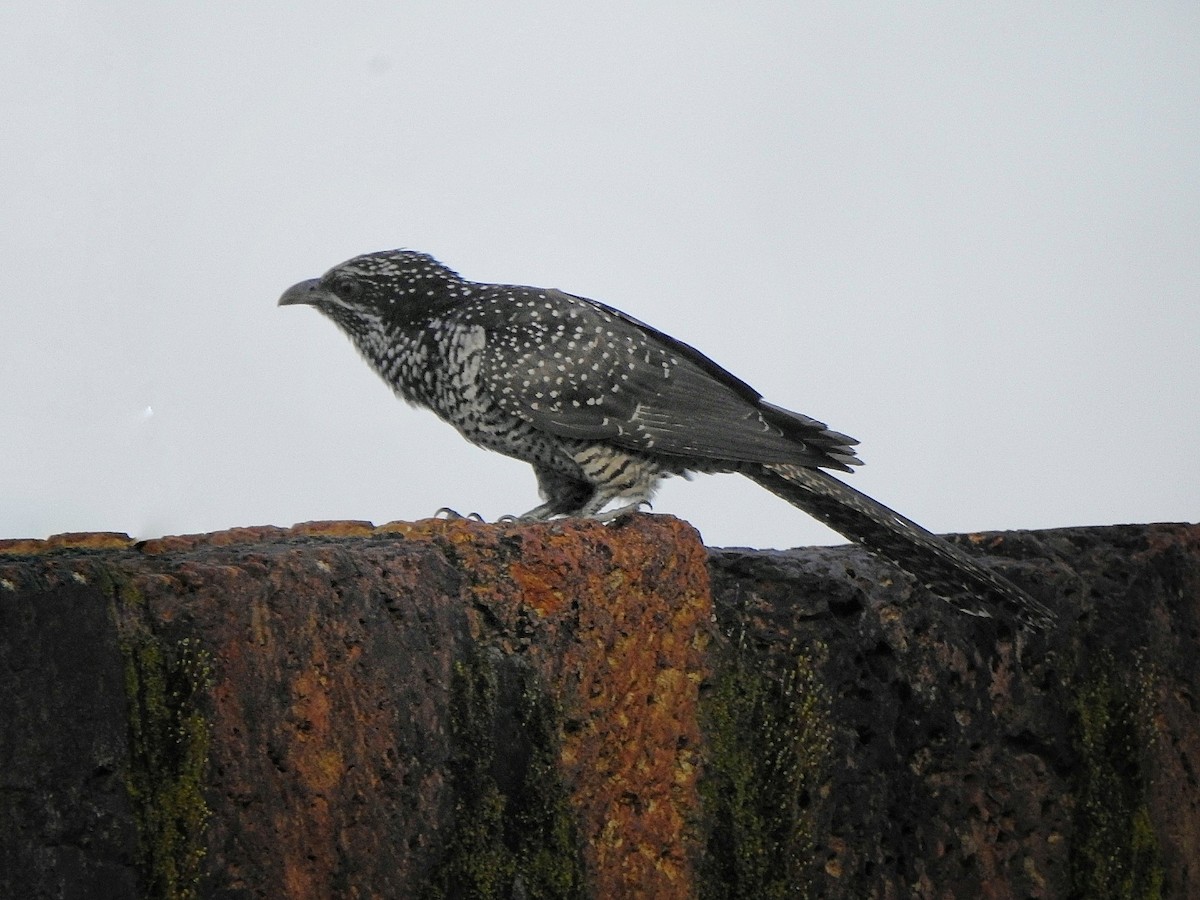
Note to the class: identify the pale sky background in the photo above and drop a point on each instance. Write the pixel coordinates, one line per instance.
(967, 234)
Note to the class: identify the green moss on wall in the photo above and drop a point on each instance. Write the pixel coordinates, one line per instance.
(514, 833)
(769, 738)
(1115, 852)
(168, 751)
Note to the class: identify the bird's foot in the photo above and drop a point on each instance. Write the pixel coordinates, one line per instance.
(537, 514)
(546, 512)
(451, 515)
(622, 511)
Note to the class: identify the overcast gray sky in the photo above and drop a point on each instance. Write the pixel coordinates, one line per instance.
(967, 234)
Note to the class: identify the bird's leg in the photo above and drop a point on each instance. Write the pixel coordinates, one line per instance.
(563, 495)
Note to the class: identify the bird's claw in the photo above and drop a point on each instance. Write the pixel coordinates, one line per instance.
(451, 515)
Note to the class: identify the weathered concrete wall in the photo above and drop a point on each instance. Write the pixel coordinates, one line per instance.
(452, 709)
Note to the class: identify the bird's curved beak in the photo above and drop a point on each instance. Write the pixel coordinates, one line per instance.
(306, 292)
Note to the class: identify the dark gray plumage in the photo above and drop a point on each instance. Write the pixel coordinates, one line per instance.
(604, 407)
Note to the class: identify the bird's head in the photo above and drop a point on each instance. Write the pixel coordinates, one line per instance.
(389, 289)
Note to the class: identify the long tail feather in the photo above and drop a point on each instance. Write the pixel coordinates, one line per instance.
(939, 565)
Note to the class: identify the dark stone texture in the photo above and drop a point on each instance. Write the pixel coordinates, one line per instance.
(66, 828)
(439, 709)
(969, 761)
(447, 709)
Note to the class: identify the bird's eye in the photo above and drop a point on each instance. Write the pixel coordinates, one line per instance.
(346, 286)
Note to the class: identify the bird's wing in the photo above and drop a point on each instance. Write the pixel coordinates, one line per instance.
(579, 369)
